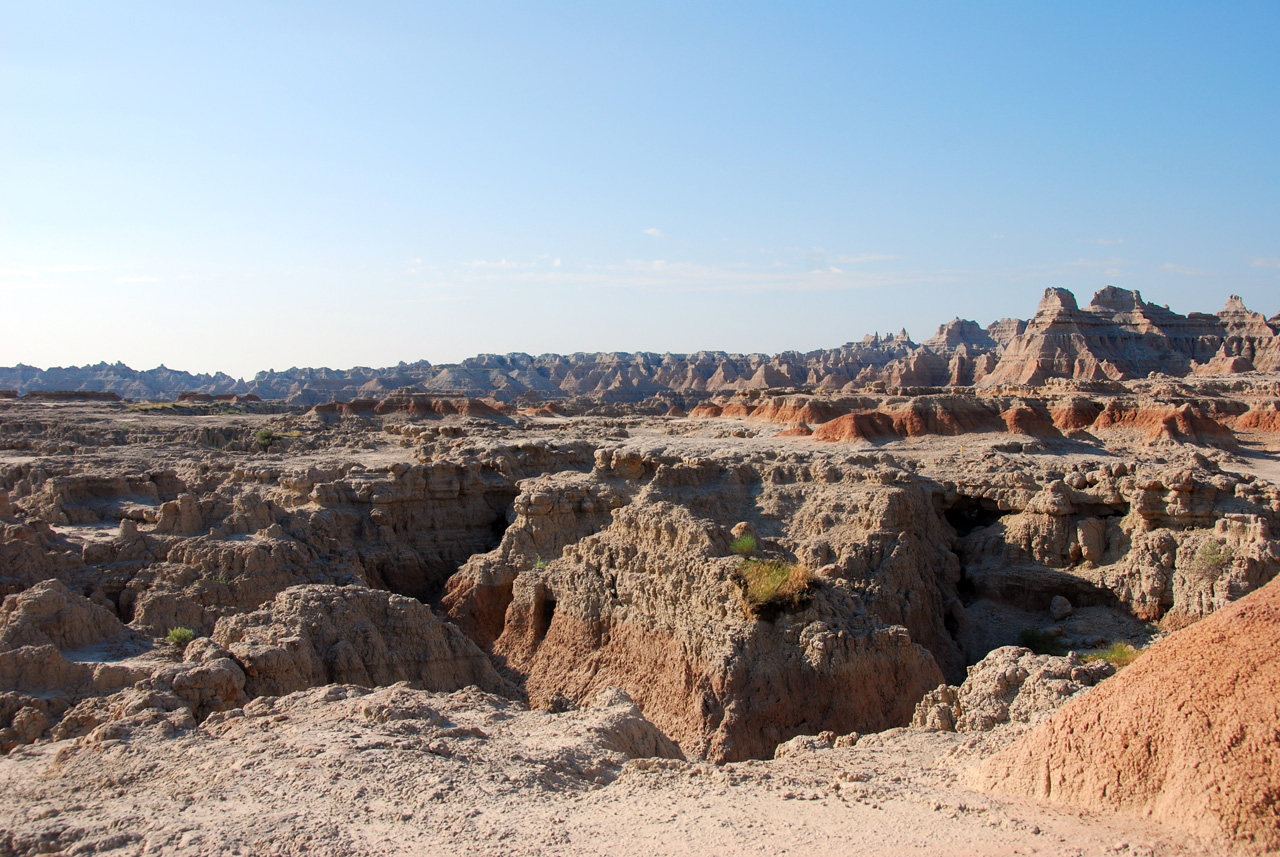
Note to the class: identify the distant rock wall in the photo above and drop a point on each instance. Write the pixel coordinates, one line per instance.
(1118, 336)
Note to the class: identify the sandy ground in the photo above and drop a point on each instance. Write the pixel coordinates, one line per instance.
(344, 771)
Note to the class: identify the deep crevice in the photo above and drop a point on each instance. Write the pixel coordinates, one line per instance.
(969, 513)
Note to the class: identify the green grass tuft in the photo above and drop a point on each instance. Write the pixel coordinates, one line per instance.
(771, 582)
(180, 636)
(743, 546)
(1119, 654)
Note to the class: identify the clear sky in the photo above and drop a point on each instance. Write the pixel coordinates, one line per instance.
(241, 186)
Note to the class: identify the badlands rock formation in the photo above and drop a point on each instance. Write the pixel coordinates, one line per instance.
(317, 635)
(537, 562)
(1010, 685)
(1187, 735)
(1118, 336)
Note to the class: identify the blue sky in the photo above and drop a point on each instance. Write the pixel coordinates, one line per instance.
(242, 186)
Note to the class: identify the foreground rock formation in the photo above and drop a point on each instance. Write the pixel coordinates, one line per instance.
(1187, 735)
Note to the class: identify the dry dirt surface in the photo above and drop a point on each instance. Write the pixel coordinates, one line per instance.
(434, 624)
(343, 770)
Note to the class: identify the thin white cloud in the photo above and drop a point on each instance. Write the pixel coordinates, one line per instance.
(556, 262)
(1183, 269)
(137, 279)
(654, 232)
(997, 235)
(501, 263)
(1266, 262)
(1108, 242)
(866, 257)
(67, 269)
(436, 299)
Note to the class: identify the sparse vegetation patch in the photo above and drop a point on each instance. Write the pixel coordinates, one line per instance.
(744, 546)
(180, 636)
(772, 582)
(1119, 654)
(1212, 557)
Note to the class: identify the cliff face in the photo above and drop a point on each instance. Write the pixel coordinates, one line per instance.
(1121, 337)
(650, 599)
(1118, 336)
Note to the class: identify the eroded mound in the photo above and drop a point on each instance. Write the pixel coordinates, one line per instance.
(1189, 735)
(315, 635)
(332, 770)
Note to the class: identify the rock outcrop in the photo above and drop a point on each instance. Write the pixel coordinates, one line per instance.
(1120, 337)
(623, 577)
(1186, 735)
(48, 614)
(1009, 685)
(317, 635)
(1117, 336)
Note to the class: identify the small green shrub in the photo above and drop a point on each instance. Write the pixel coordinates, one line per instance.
(744, 546)
(1040, 642)
(539, 563)
(1212, 557)
(265, 437)
(1120, 654)
(180, 636)
(771, 582)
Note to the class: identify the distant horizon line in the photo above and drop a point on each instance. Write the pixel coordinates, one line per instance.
(902, 335)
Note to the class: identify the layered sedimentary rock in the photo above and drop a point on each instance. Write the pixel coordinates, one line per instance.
(652, 602)
(1186, 735)
(1117, 336)
(1149, 412)
(582, 551)
(717, 557)
(652, 606)
(316, 635)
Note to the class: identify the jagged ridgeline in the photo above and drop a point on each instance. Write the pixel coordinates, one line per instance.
(1117, 337)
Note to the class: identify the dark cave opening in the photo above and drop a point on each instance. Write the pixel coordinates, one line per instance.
(422, 560)
(969, 513)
